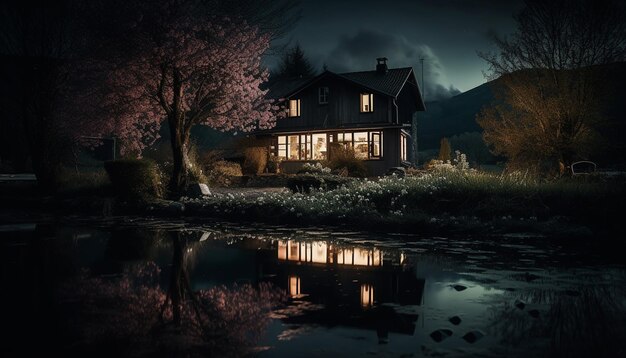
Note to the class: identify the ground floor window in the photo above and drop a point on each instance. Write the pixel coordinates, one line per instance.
(303, 146)
(366, 145)
(403, 147)
(315, 146)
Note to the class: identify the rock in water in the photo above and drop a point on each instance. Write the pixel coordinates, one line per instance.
(198, 190)
(519, 304)
(473, 336)
(459, 287)
(455, 320)
(440, 334)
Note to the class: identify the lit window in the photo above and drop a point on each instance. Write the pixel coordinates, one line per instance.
(293, 147)
(361, 148)
(367, 102)
(294, 108)
(366, 145)
(403, 147)
(375, 144)
(282, 147)
(305, 147)
(319, 146)
(298, 147)
(323, 95)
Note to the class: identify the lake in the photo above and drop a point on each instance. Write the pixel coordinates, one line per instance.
(140, 287)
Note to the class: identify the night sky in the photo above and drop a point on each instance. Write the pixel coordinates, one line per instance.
(349, 35)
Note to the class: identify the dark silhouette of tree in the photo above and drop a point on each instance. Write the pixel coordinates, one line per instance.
(293, 64)
(473, 145)
(143, 318)
(550, 91)
(37, 42)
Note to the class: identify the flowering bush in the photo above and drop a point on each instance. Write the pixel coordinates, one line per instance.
(458, 193)
(316, 168)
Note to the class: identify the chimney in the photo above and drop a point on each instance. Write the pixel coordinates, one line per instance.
(381, 66)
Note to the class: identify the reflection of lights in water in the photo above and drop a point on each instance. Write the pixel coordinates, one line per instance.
(316, 251)
(367, 295)
(402, 258)
(322, 252)
(360, 256)
(294, 286)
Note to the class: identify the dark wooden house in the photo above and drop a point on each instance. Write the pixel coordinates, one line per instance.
(370, 111)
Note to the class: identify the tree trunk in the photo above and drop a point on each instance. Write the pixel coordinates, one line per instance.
(180, 172)
(176, 292)
(179, 136)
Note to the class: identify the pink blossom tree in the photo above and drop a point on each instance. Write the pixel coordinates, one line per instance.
(176, 64)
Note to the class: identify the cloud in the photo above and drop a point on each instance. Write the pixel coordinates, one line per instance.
(359, 53)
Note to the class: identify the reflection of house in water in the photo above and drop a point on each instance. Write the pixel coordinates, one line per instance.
(350, 281)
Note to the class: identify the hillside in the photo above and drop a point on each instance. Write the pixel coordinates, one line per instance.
(452, 116)
(457, 115)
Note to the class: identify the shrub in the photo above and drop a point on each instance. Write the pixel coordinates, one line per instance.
(222, 172)
(344, 157)
(316, 168)
(196, 172)
(73, 181)
(135, 178)
(304, 183)
(255, 160)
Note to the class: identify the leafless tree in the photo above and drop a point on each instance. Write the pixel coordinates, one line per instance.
(549, 85)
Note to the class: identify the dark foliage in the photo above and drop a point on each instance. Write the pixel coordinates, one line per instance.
(135, 178)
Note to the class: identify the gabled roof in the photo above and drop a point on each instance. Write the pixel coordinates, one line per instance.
(284, 87)
(388, 84)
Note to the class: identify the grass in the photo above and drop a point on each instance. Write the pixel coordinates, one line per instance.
(450, 197)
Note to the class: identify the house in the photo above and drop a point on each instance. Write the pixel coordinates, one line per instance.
(369, 111)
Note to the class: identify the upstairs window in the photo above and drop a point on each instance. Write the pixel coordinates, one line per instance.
(367, 102)
(323, 95)
(294, 108)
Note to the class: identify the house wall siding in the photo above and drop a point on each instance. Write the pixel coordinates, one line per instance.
(342, 109)
(375, 167)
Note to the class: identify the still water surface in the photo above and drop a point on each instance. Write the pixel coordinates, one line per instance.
(83, 289)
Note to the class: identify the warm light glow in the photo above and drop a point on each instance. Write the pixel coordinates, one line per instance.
(293, 147)
(294, 108)
(361, 145)
(321, 252)
(367, 145)
(367, 102)
(316, 251)
(367, 295)
(359, 256)
(403, 147)
(294, 286)
(319, 146)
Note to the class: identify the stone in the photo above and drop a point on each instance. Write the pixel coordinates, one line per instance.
(455, 320)
(519, 304)
(459, 288)
(440, 334)
(473, 336)
(197, 190)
